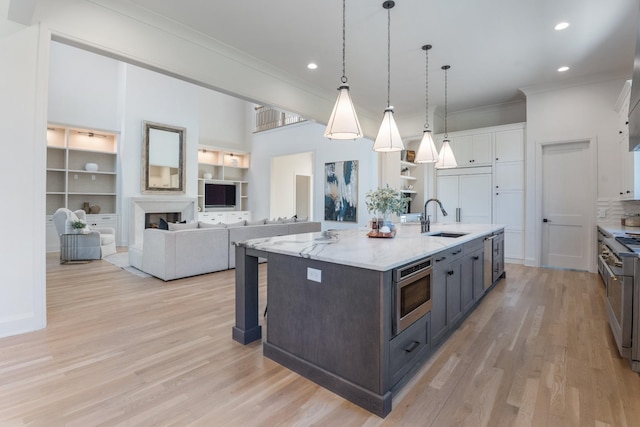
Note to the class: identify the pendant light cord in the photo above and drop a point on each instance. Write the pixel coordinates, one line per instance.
(426, 88)
(344, 73)
(445, 68)
(389, 57)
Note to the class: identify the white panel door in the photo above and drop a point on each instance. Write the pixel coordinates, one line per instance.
(475, 199)
(565, 203)
(447, 192)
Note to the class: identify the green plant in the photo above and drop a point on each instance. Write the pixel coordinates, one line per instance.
(386, 201)
(78, 224)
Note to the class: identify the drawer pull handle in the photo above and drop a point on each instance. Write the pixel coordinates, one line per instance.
(412, 346)
(441, 259)
(450, 273)
(456, 252)
(475, 258)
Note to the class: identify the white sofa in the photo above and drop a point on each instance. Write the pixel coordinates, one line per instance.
(185, 250)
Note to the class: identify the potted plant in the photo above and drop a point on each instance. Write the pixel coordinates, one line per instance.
(78, 226)
(385, 202)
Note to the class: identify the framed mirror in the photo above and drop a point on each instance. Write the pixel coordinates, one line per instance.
(163, 159)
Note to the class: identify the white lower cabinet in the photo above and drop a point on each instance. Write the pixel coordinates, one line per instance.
(228, 217)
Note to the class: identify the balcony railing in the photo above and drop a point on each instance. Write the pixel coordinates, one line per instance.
(269, 118)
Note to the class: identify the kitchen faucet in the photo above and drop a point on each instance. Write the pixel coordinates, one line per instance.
(425, 222)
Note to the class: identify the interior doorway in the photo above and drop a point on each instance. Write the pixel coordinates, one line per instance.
(291, 190)
(568, 199)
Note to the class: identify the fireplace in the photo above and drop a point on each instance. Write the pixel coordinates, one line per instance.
(183, 207)
(152, 220)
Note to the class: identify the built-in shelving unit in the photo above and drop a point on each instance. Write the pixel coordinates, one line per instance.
(70, 185)
(407, 181)
(223, 166)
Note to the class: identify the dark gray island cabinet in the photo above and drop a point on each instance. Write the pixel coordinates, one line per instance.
(333, 297)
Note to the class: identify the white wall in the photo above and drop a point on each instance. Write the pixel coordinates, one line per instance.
(581, 112)
(83, 89)
(302, 138)
(22, 180)
(225, 121)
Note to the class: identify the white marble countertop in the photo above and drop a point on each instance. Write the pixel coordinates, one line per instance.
(354, 248)
(616, 229)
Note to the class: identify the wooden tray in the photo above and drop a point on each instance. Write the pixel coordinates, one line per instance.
(374, 233)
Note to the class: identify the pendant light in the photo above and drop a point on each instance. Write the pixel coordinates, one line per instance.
(343, 123)
(446, 159)
(427, 152)
(388, 138)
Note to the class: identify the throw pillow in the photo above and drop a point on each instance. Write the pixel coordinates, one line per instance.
(163, 225)
(273, 221)
(208, 225)
(258, 222)
(186, 226)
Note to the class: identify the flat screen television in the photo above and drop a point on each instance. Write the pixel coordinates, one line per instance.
(219, 195)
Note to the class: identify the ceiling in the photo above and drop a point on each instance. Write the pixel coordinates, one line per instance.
(494, 47)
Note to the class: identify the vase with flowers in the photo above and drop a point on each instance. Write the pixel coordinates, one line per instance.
(383, 203)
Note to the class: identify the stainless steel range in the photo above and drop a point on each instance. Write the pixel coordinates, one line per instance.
(619, 266)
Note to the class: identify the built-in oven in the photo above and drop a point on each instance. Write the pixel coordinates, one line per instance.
(617, 271)
(412, 288)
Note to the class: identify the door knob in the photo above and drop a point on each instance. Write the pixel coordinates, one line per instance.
(545, 220)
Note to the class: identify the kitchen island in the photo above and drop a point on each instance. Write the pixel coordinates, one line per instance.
(333, 303)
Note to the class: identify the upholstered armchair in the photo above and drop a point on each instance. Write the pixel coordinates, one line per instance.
(96, 243)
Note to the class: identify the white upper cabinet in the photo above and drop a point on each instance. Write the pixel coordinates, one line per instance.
(509, 146)
(472, 150)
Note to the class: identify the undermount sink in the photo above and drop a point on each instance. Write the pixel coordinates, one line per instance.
(444, 234)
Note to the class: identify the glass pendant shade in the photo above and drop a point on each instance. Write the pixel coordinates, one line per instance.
(388, 138)
(343, 123)
(446, 159)
(427, 152)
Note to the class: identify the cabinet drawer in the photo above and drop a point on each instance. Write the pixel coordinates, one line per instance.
(407, 346)
(474, 245)
(446, 256)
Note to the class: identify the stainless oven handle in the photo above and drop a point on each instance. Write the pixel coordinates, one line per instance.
(606, 266)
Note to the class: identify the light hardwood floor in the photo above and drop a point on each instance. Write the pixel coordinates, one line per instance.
(124, 350)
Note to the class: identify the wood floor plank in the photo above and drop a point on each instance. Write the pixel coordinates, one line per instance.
(124, 350)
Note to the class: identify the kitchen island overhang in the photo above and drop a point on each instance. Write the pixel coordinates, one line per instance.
(331, 302)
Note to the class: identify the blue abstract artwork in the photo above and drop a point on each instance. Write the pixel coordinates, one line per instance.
(341, 191)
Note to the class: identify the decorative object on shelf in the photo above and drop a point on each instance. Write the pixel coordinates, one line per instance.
(91, 167)
(343, 122)
(207, 175)
(86, 208)
(341, 191)
(408, 156)
(385, 202)
(233, 161)
(95, 209)
(427, 152)
(388, 138)
(446, 159)
(79, 226)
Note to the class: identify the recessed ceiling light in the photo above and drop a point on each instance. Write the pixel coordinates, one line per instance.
(563, 69)
(561, 26)
(312, 66)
